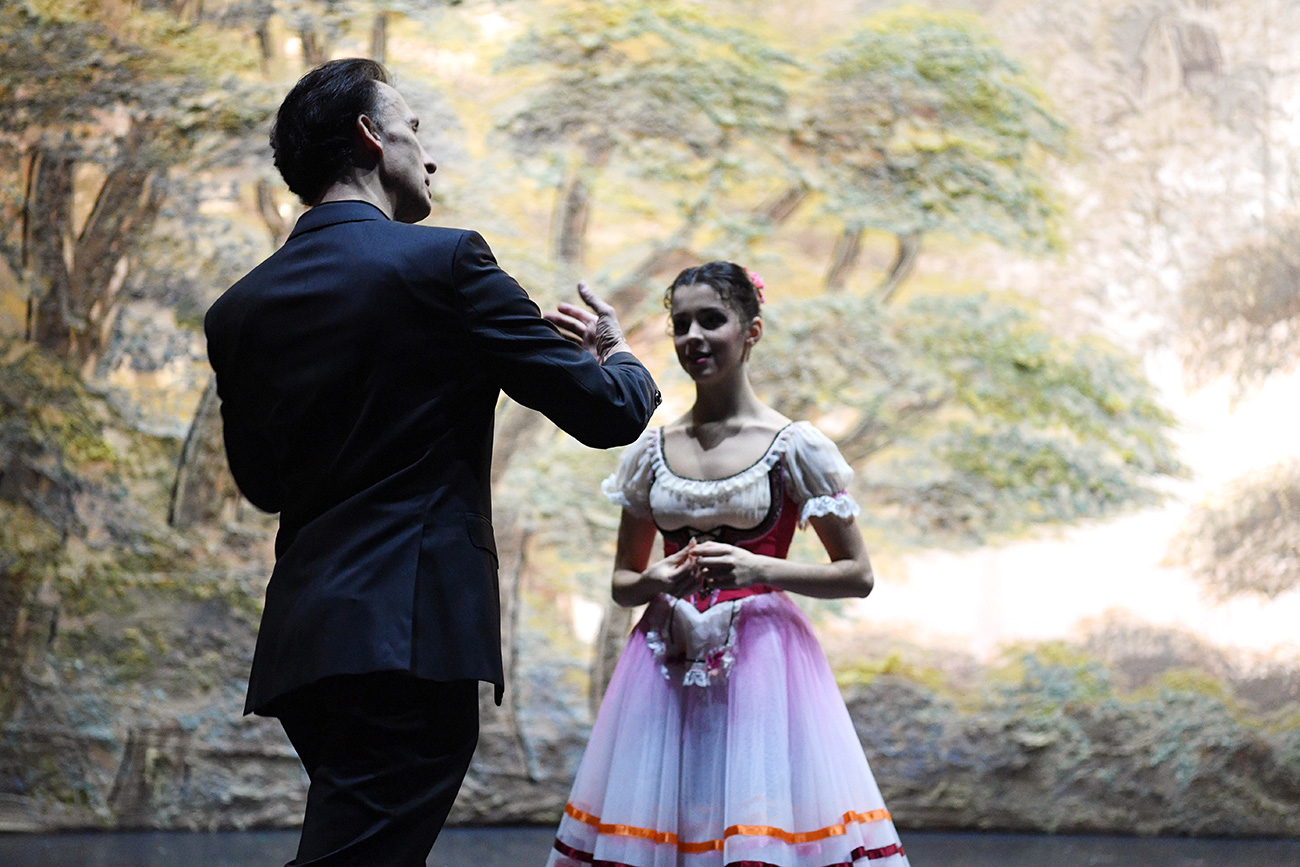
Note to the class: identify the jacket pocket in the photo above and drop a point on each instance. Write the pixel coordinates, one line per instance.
(480, 533)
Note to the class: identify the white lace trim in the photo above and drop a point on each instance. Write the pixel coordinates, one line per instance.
(841, 505)
(654, 640)
(815, 472)
(610, 488)
(670, 481)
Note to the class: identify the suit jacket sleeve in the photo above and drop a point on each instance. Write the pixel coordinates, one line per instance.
(251, 463)
(599, 405)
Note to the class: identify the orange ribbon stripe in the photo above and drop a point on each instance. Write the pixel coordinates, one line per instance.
(621, 830)
(734, 831)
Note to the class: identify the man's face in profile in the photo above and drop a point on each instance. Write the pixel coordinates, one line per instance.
(405, 167)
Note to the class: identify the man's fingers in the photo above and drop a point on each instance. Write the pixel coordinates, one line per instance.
(592, 301)
(569, 327)
(560, 321)
(576, 312)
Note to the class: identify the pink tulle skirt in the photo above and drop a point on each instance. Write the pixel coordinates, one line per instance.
(760, 765)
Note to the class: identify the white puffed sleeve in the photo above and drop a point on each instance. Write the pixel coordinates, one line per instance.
(816, 475)
(629, 485)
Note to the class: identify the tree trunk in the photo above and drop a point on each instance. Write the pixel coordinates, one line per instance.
(516, 424)
(76, 282)
(124, 210)
(571, 223)
(203, 486)
(783, 206)
(675, 253)
(909, 247)
(315, 46)
(267, 51)
(15, 631)
(844, 258)
(379, 37)
(155, 758)
(573, 208)
(665, 259)
(48, 217)
(189, 11)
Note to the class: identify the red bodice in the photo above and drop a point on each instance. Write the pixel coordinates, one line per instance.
(771, 538)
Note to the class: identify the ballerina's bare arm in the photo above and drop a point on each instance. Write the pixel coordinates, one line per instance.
(636, 580)
(848, 573)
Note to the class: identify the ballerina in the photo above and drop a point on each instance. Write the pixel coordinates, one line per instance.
(723, 740)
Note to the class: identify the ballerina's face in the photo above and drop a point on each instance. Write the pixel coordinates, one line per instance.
(709, 334)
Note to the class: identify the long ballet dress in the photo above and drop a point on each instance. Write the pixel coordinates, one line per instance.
(723, 740)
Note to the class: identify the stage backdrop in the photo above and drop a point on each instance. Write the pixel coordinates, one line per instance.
(1032, 265)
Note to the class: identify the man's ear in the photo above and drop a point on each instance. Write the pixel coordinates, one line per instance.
(368, 135)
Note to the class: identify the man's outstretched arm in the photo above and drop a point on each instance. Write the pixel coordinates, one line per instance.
(595, 390)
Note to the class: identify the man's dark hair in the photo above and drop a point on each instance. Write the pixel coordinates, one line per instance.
(313, 136)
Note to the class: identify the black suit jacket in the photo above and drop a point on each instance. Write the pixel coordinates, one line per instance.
(359, 369)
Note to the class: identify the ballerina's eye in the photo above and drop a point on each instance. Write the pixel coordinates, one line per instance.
(712, 318)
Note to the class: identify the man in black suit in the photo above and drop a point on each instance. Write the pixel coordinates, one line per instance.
(359, 368)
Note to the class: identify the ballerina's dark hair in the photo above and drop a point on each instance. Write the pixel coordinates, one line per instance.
(731, 282)
(313, 133)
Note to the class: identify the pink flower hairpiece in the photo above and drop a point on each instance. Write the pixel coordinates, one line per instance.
(759, 286)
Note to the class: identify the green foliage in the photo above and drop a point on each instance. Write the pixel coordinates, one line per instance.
(1241, 319)
(1050, 675)
(1188, 753)
(626, 72)
(966, 416)
(894, 664)
(46, 410)
(132, 93)
(920, 122)
(66, 60)
(663, 88)
(82, 521)
(1246, 540)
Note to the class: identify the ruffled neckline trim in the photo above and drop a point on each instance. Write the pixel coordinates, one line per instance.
(665, 476)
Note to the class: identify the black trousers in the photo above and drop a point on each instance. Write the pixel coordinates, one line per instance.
(386, 754)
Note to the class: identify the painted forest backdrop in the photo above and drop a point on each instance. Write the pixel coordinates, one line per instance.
(1032, 265)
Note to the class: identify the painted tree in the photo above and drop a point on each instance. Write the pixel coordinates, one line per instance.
(1241, 321)
(967, 417)
(100, 103)
(919, 123)
(663, 89)
(1246, 539)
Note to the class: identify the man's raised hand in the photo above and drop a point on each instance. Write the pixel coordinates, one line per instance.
(595, 330)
